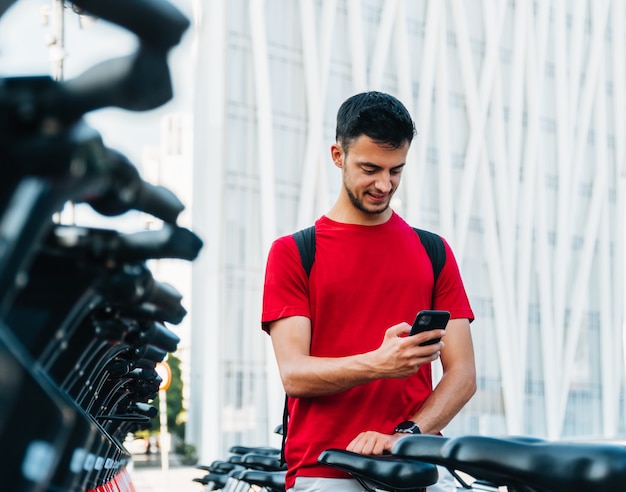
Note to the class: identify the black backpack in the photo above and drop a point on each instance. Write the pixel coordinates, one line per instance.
(305, 240)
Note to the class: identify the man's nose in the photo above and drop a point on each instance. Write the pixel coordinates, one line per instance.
(383, 183)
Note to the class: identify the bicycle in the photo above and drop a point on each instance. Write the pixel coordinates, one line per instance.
(522, 464)
(82, 319)
(248, 468)
(481, 463)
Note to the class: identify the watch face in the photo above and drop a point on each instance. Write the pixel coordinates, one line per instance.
(407, 427)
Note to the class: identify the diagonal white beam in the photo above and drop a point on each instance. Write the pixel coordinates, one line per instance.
(378, 63)
(508, 337)
(264, 126)
(618, 14)
(316, 57)
(558, 267)
(414, 174)
(207, 217)
(578, 304)
(442, 111)
(358, 58)
(265, 159)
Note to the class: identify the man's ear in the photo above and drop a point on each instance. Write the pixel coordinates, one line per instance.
(337, 154)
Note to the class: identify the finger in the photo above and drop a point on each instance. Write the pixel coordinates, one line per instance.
(398, 330)
(354, 444)
(427, 338)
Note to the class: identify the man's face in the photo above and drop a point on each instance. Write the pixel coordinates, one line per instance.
(371, 173)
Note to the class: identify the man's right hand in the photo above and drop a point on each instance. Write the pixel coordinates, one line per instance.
(400, 356)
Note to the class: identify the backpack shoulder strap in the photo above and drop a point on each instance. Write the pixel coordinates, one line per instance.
(433, 244)
(305, 240)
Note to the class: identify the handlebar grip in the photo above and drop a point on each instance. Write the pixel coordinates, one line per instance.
(163, 296)
(128, 191)
(158, 201)
(156, 313)
(155, 22)
(109, 245)
(151, 353)
(145, 371)
(169, 242)
(162, 337)
(136, 82)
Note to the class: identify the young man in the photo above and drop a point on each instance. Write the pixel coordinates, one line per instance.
(354, 379)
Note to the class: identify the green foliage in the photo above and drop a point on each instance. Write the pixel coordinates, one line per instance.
(174, 399)
(188, 453)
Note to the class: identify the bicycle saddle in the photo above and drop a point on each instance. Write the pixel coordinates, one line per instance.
(546, 465)
(424, 447)
(387, 472)
(272, 480)
(218, 480)
(262, 462)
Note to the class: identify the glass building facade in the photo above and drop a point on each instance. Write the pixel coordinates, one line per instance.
(519, 162)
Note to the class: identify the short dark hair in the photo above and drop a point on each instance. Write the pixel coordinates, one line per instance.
(378, 115)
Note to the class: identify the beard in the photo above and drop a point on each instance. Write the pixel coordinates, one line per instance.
(359, 205)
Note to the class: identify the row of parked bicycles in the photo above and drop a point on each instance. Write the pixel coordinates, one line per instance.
(83, 320)
(478, 463)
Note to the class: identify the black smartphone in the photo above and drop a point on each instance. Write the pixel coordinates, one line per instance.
(430, 320)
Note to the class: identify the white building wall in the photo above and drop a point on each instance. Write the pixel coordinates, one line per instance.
(519, 162)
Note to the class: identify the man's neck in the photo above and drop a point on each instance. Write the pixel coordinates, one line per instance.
(352, 215)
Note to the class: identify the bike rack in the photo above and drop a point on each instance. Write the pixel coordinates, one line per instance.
(83, 322)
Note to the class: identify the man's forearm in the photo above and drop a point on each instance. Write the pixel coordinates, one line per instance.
(451, 394)
(308, 377)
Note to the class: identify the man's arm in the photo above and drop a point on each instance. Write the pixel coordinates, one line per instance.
(456, 387)
(306, 376)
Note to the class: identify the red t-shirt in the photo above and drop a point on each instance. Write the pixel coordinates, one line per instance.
(364, 280)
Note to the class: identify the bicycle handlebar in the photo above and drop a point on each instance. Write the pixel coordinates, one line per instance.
(128, 191)
(155, 22)
(51, 157)
(111, 247)
(137, 82)
(169, 242)
(160, 336)
(84, 170)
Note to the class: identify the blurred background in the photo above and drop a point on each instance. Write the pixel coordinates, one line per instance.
(520, 162)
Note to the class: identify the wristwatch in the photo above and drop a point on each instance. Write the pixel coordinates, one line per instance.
(407, 427)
